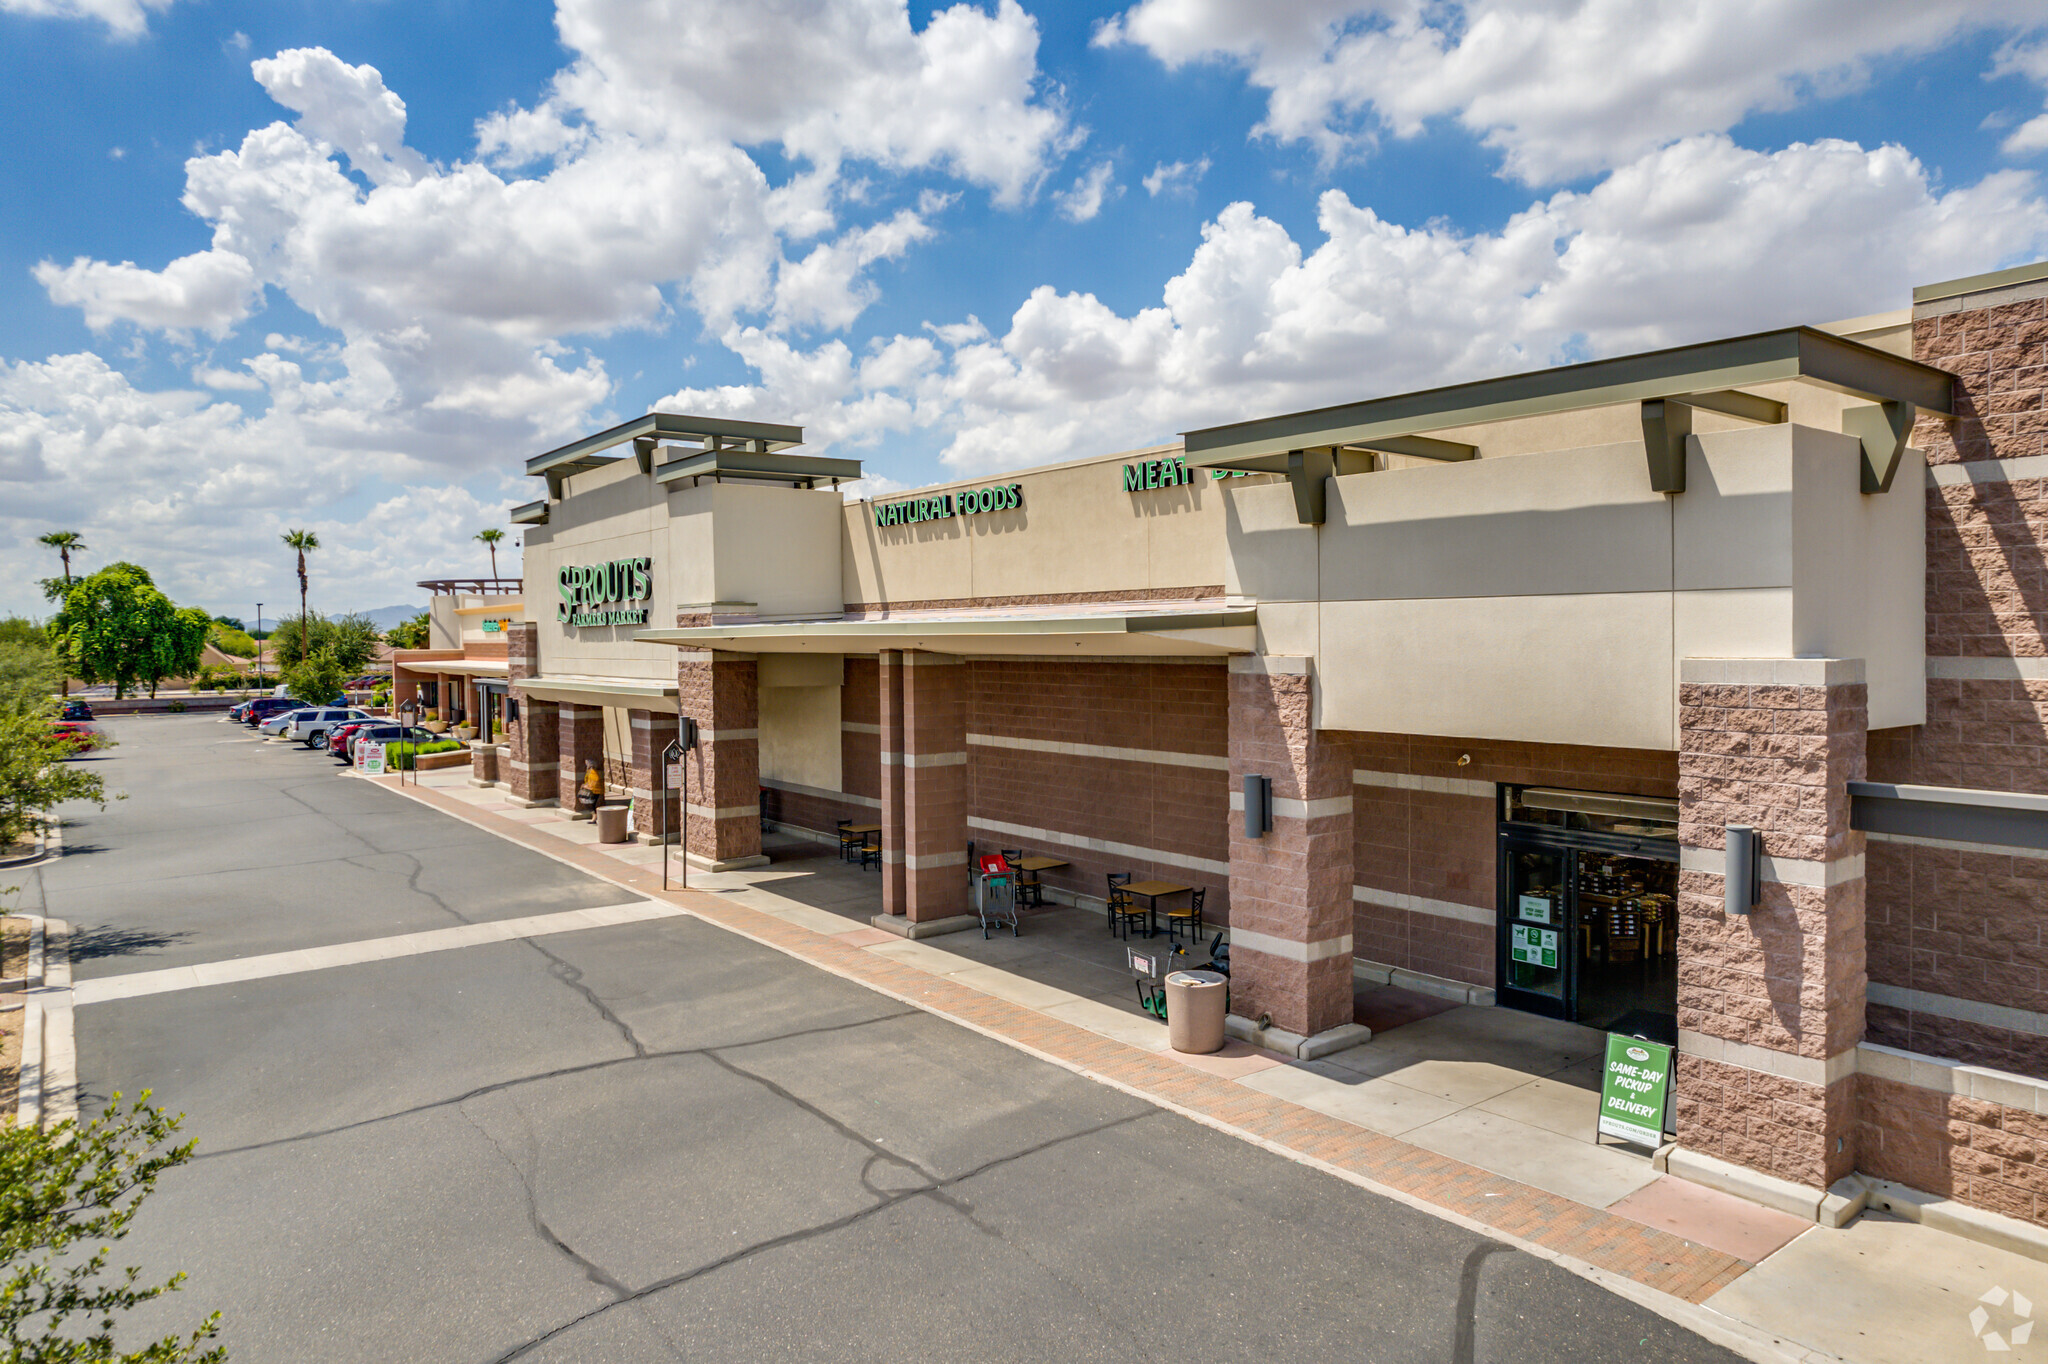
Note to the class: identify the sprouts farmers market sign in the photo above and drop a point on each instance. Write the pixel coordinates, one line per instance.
(595, 594)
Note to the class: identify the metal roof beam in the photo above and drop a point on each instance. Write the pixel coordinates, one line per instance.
(1421, 447)
(668, 426)
(724, 463)
(1711, 369)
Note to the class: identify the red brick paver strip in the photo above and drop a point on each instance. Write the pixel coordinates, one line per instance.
(1649, 1256)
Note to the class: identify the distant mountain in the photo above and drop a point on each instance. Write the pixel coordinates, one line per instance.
(388, 616)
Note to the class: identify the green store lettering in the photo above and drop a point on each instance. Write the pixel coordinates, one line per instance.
(1003, 497)
(590, 592)
(1168, 473)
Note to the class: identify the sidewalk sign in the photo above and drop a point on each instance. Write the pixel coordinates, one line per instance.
(370, 758)
(1634, 1085)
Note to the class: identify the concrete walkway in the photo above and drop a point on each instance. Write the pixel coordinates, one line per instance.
(1482, 1115)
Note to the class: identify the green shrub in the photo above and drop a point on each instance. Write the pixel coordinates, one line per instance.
(398, 756)
(177, 707)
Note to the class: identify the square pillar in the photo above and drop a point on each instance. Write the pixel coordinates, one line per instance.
(581, 731)
(653, 732)
(721, 692)
(890, 723)
(532, 740)
(924, 781)
(1290, 889)
(1770, 1003)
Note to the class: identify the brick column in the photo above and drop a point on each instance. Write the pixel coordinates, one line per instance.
(894, 890)
(1770, 1004)
(1290, 890)
(581, 730)
(532, 741)
(930, 772)
(653, 731)
(720, 691)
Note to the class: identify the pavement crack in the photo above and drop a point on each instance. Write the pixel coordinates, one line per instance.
(935, 1190)
(572, 976)
(591, 1269)
(559, 1072)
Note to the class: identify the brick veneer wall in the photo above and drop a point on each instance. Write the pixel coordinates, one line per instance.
(1141, 706)
(1986, 1154)
(1785, 980)
(1429, 835)
(723, 773)
(532, 746)
(1972, 923)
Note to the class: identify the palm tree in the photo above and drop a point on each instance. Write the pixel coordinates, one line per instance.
(64, 541)
(302, 540)
(491, 538)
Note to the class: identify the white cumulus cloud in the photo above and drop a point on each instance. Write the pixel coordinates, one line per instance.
(1175, 177)
(1561, 88)
(1083, 199)
(123, 18)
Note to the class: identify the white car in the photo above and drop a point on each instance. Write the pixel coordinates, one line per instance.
(310, 724)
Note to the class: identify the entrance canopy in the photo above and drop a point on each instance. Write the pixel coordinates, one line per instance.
(1105, 630)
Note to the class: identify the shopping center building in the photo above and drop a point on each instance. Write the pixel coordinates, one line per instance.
(1463, 688)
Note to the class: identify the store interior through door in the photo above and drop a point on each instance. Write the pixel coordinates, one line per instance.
(1589, 911)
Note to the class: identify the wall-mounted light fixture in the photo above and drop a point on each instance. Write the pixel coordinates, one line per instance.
(1258, 806)
(1742, 872)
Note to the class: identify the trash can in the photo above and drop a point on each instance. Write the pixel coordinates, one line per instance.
(1194, 1011)
(611, 823)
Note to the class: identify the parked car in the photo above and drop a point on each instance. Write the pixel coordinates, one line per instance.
(77, 709)
(310, 726)
(389, 734)
(255, 712)
(337, 738)
(82, 738)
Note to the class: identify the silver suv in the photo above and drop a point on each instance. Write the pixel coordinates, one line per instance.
(310, 726)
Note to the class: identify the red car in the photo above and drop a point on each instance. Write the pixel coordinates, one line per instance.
(80, 736)
(337, 741)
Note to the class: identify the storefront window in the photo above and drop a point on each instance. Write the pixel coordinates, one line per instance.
(1591, 812)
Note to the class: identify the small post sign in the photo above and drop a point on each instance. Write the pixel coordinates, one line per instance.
(1633, 1088)
(370, 758)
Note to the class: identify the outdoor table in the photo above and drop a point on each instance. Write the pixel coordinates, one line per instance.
(1028, 869)
(1149, 892)
(863, 828)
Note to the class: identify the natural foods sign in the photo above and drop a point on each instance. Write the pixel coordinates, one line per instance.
(1003, 497)
(1633, 1089)
(595, 594)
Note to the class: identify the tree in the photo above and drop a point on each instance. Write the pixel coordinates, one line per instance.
(116, 627)
(412, 634)
(73, 1186)
(300, 541)
(317, 679)
(491, 538)
(18, 630)
(351, 639)
(231, 639)
(232, 623)
(64, 541)
(176, 648)
(34, 778)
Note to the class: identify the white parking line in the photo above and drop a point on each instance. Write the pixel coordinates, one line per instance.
(365, 950)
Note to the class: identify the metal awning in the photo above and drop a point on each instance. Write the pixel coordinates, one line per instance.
(1136, 632)
(1310, 446)
(804, 471)
(456, 667)
(632, 693)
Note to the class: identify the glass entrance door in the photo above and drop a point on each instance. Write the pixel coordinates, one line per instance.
(1536, 909)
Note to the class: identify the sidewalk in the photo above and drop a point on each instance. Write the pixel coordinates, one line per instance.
(1426, 1113)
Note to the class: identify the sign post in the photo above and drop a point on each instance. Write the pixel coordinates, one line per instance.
(1634, 1087)
(671, 775)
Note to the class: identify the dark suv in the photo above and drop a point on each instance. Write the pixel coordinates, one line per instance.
(263, 707)
(76, 709)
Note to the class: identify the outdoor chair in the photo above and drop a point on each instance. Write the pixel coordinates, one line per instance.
(871, 852)
(849, 843)
(1127, 912)
(1188, 918)
(1117, 896)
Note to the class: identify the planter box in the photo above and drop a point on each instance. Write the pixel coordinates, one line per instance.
(434, 762)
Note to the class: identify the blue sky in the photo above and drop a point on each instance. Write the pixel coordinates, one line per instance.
(344, 265)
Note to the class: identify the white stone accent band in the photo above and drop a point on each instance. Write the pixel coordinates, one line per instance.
(1805, 1069)
(1771, 672)
(723, 811)
(924, 759)
(1445, 786)
(1989, 669)
(1422, 904)
(1952, 1077)
(1269, 665)
(1987, 471)
(1962, 1010)
(1783, 871)
(846, 797)
(856, 727)
(1030, 835)
(719, 736)
(1286, 807)
(1288, 949)
(1214, 763)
